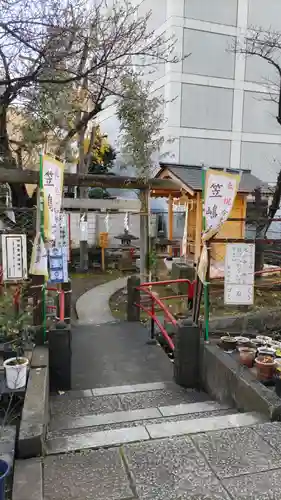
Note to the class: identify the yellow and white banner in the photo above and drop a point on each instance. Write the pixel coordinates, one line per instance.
(39, 258)
(52, 185)
(220, 192)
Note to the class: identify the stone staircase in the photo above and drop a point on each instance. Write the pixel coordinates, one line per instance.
(111, 416)
(151, 441)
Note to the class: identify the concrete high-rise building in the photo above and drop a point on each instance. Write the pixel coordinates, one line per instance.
(217, 108)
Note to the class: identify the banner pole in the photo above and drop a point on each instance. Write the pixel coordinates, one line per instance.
(206, 284)
(42, 234)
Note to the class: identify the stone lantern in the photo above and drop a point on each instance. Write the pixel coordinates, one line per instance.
(126, 239)
(126, 261)
(162, 243)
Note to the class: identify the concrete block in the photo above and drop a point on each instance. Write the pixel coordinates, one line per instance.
(187, 355)
(35, 414)
(28, 480)
(40, 357)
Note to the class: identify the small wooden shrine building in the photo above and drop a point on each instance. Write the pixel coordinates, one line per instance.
(189, 179)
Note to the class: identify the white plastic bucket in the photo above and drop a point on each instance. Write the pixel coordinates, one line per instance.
(16, 375)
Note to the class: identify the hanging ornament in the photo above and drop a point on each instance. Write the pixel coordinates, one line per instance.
(126, 222)
(106, 223)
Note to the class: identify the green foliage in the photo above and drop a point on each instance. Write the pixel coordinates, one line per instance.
(141, 119)
(98, 193)
(60, 61)
(12, 322)
(103, 165)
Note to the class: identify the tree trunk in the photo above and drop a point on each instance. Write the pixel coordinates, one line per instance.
(144, 235)
(5, 151)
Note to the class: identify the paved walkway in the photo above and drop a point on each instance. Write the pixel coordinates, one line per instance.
(127, 432)
(116, 354)
(93, 306)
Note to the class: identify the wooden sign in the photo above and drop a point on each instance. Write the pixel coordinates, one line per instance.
(239, 274)
(103, 240)
(14, 258)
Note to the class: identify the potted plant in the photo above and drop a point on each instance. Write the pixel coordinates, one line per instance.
(243, 341)
(13, 326)
(228, 343)
(265, 367)
(16, 372)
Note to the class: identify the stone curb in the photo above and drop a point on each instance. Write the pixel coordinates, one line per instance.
(230, 383)
(28, 480)
(35, 413)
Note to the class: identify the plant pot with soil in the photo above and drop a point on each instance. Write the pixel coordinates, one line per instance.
(247, 356)
(266, 351)
(16, 372)
(228, 343)
(265, 366)
(243, 341)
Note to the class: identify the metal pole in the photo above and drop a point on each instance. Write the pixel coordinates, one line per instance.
(207, 279)
(42, 234)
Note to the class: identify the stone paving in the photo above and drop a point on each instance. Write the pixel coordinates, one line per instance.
(93, 306)
(237, 464)
(127, 432)
(116, 354)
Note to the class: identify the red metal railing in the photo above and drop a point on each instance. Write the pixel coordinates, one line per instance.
(155, 300)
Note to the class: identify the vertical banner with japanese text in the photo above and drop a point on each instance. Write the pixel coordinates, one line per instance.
(220, 192)
(52, 174)
(39, 258)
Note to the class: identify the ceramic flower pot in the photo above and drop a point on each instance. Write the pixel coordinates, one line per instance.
(242, 341)
(247, 356)
(16, 372)
(228, 343)
(266, 351)
(265, 366)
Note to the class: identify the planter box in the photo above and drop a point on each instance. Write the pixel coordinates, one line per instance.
(229, 382)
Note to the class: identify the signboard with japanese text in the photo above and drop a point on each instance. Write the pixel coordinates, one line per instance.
(103, 240)
(52, 185)
(14, 260)
(63, 236)
(59, 253)
(239, 274)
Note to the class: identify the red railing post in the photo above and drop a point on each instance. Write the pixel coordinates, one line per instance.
(152, 339)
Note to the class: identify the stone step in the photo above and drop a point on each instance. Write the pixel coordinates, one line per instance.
(111, 390)
(124, 398)
(139, 415)
(115, 437)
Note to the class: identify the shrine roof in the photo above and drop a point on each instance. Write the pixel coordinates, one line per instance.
(191, 176)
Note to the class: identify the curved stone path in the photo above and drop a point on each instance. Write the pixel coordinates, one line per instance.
(93, 306)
